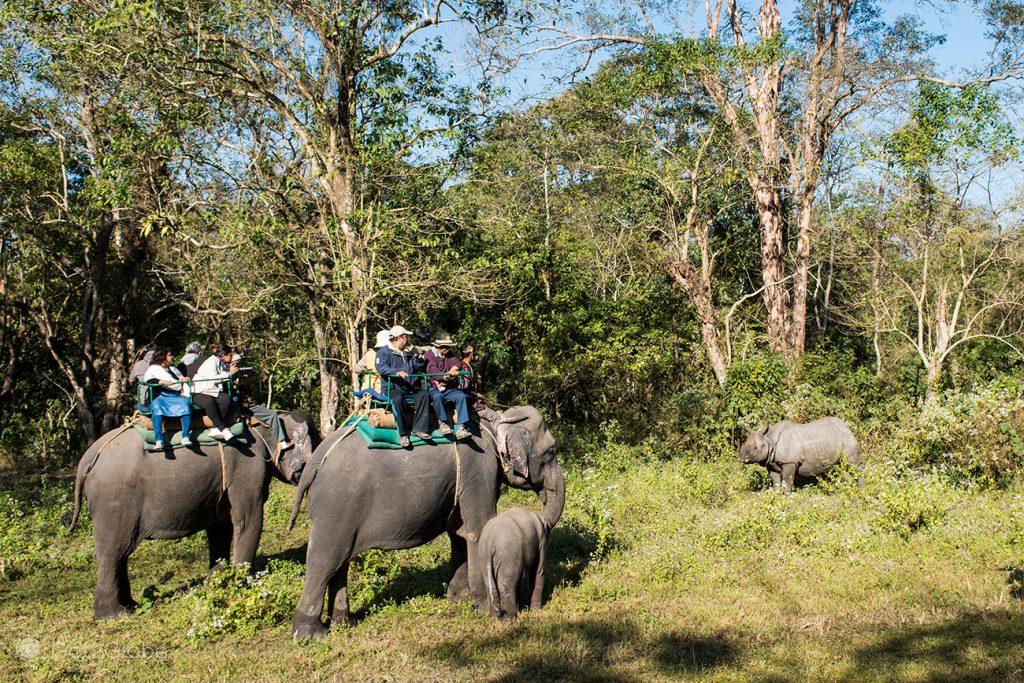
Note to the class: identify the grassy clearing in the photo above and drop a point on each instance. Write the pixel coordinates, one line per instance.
(659, 570)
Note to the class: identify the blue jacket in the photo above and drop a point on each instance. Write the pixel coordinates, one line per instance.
(391, 362)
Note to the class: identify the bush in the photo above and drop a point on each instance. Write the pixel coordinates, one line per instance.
(912, 503)
(233, 600)
(970, 437)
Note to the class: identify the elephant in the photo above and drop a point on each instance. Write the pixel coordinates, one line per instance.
(787, 449)
(512, 545)
(362, 498)
(135, 495)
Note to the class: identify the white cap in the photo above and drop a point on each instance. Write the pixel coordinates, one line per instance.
(397, 331)
(383, 337)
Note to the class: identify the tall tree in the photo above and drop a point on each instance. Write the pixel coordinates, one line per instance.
(785, 94)
(325, 104)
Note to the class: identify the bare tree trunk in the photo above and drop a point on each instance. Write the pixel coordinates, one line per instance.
(329, 385)
(801, 268)
(773, 273)
(698, 287)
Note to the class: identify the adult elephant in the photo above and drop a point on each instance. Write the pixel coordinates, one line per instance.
(135, 495)
(361, 498)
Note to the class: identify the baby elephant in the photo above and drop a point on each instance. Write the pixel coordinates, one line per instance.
(512, 545)
(787, 449)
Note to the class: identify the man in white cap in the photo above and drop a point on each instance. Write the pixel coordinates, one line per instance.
(396, 364)
(366, 368)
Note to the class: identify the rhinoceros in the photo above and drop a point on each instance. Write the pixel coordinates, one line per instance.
(790, 448)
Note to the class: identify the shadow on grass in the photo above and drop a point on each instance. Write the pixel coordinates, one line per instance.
(972, 646)
(587, 649)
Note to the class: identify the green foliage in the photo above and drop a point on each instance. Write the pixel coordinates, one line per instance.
(912, 503)
(235, 600)
(31, 526)
(967, 436)
(753, 389)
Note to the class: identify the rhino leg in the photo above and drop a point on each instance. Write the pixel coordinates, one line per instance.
(776, 478)
(788, 475)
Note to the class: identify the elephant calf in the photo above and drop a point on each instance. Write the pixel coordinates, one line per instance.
(512, 545)
(790, 448)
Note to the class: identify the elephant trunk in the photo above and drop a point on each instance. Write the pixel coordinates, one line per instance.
(553, 494)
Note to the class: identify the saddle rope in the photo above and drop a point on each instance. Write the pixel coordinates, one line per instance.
(223, 468)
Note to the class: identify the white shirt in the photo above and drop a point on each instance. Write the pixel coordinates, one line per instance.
(162, 374)
(209, 378)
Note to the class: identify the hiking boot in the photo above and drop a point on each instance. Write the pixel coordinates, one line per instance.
(404, 442)
(461, 433)
(159, 446)
(422, 435)
(185, 441)
(444, 429)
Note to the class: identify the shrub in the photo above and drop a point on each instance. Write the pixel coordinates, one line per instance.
(970, 437)
(913, 502)
(233, 600)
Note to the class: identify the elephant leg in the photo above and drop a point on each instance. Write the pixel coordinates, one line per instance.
(113, 546)
(124, 588)
(508, 587)
(218, 540)
(536, 581)
(337, 596)
(247, 520)
(458, 585)
(113, 596)
(788, 476)
(325, 555)
(776, 478)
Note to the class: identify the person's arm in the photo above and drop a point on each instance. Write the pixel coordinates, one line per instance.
(385, 368)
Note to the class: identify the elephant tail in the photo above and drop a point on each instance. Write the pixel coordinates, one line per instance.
(85, 467)
(492, 583)
(79, 483)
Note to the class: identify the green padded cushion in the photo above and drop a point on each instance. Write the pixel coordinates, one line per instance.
(204, 438)
(381, 437)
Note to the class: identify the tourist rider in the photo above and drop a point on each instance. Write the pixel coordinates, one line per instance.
(171, 396)
(441, 361)
(468, 384)
(209, 394)
(396, 364)
(192, 354)
(366, 368)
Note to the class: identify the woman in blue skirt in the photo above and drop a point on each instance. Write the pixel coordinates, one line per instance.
(172, 396)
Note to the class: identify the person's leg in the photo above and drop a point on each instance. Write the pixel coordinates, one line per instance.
(421, 404)
(186, 427)
(212, 410)
(158, 427)
(398, 408)
(377, 395)
(458, 397)
(437, 400)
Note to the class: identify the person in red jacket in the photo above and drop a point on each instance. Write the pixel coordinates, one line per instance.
(441, 361)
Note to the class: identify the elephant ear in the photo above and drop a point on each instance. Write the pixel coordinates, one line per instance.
(515, 443)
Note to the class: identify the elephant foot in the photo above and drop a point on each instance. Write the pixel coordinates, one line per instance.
(458, 593)
(343, 619)
(115, 611)
(308, 630)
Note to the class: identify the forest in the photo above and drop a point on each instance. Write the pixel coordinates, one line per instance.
(660, 223)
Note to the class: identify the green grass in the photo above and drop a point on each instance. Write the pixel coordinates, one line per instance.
(659, 570)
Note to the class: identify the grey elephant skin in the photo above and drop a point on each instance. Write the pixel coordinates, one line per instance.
(362, 498)
(135, 495)
(512, 547)
(787, 449)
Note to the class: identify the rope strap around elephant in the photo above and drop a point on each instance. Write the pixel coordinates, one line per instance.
(458, 480)
(223, 468)
(110, 437)
(275, 455)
